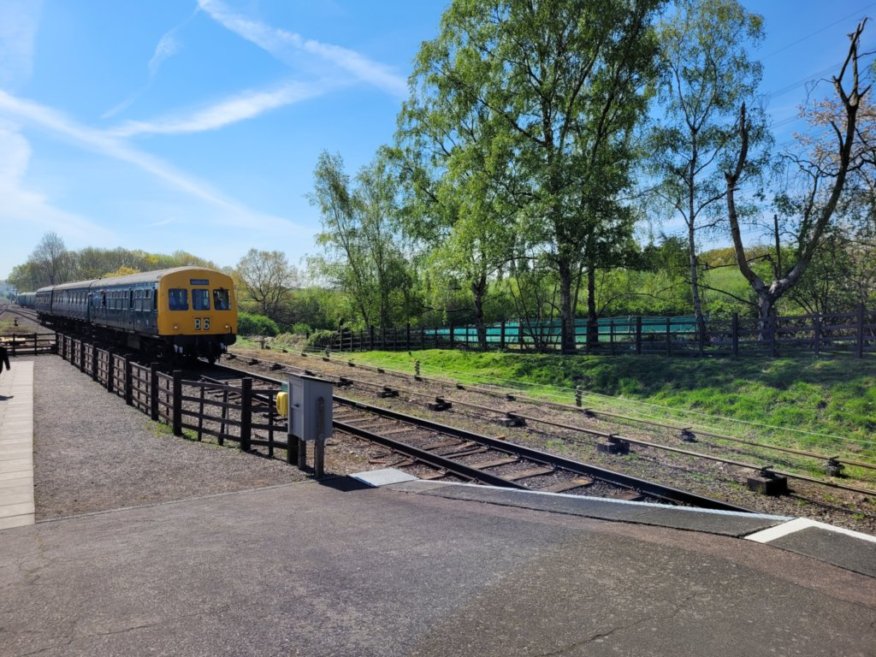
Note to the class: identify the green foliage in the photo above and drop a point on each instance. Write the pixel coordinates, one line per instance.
(254, 324)
(267, 280)
(51, 263)
(361, 240)
(320, 339)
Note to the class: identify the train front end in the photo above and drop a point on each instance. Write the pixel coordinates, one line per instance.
(197, 312)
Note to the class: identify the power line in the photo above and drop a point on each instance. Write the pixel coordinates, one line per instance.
(826, 27)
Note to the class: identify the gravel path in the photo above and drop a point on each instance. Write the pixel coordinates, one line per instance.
(92, 452)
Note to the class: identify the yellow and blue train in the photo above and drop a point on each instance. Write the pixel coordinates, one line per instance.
(185, 311)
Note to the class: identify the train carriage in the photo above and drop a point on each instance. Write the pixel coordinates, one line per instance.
(188, 311)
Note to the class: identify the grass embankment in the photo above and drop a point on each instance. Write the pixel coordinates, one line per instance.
(828, 406)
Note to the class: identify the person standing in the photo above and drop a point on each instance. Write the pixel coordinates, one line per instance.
(4, 358)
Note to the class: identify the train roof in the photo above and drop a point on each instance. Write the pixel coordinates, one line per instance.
(130, 279)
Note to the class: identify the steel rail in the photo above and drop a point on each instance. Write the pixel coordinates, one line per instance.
(610, 476)
(427, 457)
(751, 466)
(568, 407)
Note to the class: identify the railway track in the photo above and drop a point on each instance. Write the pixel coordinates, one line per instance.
(434, 450)
(699, 462)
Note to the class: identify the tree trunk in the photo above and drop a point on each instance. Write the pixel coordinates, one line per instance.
(592, 317)
(567, 311)
(695, 288)
(479, 291)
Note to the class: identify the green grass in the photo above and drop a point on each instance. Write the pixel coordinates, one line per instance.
(826, 406)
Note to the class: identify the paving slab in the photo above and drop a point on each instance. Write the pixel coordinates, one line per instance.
(16, 445)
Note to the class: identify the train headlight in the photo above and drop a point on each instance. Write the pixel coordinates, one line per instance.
(176, 327)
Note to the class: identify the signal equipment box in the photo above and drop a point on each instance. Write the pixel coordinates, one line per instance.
(309, 408)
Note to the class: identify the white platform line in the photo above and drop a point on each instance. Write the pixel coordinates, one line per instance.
(799, 524)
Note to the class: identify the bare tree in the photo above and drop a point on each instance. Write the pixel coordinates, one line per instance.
(826, 176)
(52, 259)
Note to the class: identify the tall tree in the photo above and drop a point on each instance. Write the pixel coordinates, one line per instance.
(268, 278)
(823, 175)
(361, 239)
(455, 171)
(706, 74)
(563, 82)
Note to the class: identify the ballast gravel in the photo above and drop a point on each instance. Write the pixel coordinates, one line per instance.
(92, 452)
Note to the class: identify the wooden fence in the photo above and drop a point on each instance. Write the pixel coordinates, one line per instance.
(851, 333)
(242, 413)
(20, 344)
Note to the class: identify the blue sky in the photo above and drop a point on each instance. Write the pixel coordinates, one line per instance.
(196, 125)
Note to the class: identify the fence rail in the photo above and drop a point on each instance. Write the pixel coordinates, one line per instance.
(851, 333)
(28, 343)
(239, 413)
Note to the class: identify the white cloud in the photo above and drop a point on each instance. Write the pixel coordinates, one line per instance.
(27, 206)
(19, 20)
(237, 108)
(282, 45)
(166, 48)
(232, 213)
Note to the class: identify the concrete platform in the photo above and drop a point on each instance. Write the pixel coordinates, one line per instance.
(338, 569)
(16, 445)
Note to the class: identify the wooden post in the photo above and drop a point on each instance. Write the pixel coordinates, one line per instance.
(668, 336)
(611, 335)
(245, 414)
(129, 382)
(177, 403)
(301, 451)
(639, 335)
(408, 347)
(734, 335)
(153, 392)
(452, 330)
(201, 413)
(223, 426)
(816, 333)
(860, 346)
(502, 336)
(110, 370)
(371, 338)
(271, 415)
(95, 362)
(82, 356)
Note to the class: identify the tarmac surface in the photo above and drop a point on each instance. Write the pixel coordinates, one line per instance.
(420, 568)
(307, 569)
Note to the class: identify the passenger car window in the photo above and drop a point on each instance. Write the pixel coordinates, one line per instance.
(220, 299)
(179, 299)
(201, 299)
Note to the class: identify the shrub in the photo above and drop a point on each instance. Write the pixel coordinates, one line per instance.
(253, 324)
(320, 339)
(300, 328)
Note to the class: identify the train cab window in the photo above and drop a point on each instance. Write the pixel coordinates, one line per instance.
(200, 299)
(179, 299)
(220, 300)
